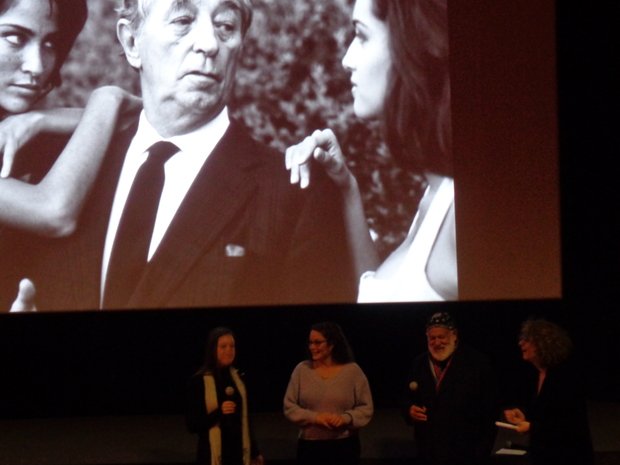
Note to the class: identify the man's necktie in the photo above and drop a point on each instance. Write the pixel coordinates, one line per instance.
(131, 246)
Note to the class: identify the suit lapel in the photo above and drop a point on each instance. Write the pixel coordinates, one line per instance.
(221, 190)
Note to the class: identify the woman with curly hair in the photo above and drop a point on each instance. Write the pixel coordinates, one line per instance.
(556, 417)
(328, 397)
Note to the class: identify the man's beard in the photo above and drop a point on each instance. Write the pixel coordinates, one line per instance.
(445, 353)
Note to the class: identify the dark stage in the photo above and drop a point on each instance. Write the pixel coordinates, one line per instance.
(163, 439)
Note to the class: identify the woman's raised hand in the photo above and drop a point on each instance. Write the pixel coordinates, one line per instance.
(323, 147)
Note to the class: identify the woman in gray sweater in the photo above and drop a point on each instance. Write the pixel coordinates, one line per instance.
(329, 398)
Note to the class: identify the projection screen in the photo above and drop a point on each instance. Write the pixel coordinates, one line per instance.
(291, 81)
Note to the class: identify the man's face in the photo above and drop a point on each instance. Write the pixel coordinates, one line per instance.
(187, 53)
(441, 342)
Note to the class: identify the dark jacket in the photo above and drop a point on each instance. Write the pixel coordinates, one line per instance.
(559, 427)
(199, 421)
(460, 429)
(293, 241)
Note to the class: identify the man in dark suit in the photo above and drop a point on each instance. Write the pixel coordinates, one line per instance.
(451, 399)
(228, 229)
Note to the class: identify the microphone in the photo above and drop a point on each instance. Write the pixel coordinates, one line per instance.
(413, 387)
(227, 418)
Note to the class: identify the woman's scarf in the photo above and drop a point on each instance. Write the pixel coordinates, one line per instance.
(215, 432)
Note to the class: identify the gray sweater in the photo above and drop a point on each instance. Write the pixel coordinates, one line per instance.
(308, 394)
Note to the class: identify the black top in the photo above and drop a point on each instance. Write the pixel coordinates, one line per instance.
(199, 421)
(559, 428)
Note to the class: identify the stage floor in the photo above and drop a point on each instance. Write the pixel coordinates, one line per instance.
(153, 439)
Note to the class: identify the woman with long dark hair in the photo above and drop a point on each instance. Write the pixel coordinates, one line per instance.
(398, 62)
(329, 398)
(218, 406)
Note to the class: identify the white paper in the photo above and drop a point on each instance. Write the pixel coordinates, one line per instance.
(504, 451)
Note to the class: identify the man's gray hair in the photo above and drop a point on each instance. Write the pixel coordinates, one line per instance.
(136, 10)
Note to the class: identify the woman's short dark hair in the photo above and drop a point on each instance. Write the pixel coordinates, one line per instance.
(553, 344)
(72, 16)
(332, 332)
(416, 115)
(210, 358)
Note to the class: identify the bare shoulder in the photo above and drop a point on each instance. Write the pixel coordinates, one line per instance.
(441, 268)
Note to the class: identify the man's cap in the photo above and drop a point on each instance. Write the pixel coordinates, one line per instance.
(443, 319)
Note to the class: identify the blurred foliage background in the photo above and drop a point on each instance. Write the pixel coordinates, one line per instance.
(290, 82)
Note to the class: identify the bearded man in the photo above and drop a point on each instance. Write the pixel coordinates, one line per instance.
(451, 399)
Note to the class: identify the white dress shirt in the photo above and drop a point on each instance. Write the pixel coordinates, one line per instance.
(180, 171)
